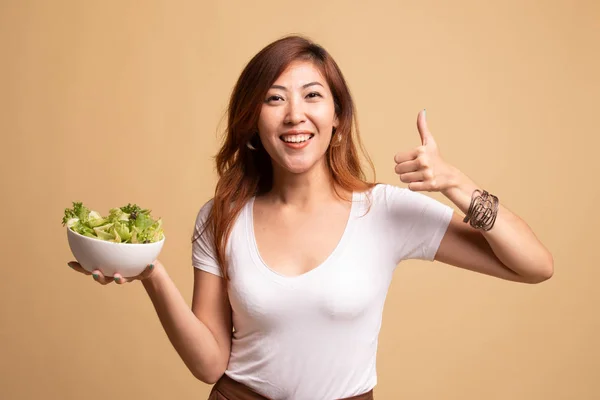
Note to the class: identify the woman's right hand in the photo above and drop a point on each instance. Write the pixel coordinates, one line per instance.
(105, 280)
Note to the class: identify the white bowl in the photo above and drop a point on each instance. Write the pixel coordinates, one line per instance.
(128, 259)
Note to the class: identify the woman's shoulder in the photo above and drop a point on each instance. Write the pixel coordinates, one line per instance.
(381, 191)
(204, 211)
(206, 208)
(385, 194)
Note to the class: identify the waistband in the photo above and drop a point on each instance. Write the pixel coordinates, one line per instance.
(228, 389)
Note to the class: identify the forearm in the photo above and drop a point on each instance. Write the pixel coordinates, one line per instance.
(511, 239)
(193, 341)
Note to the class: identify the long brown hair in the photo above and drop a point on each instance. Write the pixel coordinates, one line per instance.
(244, 173)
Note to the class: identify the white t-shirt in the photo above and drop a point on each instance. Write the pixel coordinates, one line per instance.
(314, 336)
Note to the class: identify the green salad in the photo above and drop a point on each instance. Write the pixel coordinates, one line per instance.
(128, 224)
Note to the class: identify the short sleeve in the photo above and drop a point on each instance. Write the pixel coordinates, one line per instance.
(203, 248)
(416, 223)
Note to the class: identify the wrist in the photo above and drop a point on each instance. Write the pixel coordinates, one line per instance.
(457, 183)
(155, 276)
(460, 189)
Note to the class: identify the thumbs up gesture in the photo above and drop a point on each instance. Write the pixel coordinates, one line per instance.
(423, 168)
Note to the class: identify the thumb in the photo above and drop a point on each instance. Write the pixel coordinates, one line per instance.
(426, 136)
(150, 268)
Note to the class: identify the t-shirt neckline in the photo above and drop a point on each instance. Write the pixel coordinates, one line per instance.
(324, 265)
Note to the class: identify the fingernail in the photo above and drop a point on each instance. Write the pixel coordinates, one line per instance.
(425, 113)
(151, 266)
(95, 276)
(117, 279)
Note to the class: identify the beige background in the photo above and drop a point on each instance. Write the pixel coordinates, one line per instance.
(110, 102)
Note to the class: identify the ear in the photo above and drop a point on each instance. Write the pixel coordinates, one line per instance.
(336, 122)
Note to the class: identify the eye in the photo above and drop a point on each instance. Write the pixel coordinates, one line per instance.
(312, 95)
(275, 97)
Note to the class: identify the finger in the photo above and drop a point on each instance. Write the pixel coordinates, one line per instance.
(77, 267)
(120, 280)
(424, 132)
(406, 156)
(100, 278)
(147, 271)
(407, 166)
(424, 186)
(412, 177)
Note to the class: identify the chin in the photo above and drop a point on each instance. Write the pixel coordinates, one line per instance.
(300, 161)
(299, 167)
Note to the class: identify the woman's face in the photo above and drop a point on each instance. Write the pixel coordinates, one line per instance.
(297, 118)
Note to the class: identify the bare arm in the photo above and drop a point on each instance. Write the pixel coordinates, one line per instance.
(467, 248)
(510, 250)
(201, 335)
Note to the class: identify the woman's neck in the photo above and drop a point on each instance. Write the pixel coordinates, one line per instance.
(307, 190)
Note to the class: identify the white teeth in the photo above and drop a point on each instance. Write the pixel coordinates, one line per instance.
(296, 138)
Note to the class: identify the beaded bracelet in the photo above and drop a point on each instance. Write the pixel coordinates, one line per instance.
(482, 211)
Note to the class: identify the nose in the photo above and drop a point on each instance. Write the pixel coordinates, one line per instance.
(295, 112)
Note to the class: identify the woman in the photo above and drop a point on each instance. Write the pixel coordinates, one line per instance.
(297, 250)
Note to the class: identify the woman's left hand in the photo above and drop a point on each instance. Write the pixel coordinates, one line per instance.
(423, 168)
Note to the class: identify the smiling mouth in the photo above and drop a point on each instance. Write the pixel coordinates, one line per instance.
(300, 138)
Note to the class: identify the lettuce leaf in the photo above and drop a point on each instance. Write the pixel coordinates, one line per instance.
(127, 224)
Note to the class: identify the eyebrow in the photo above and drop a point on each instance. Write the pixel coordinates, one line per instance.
(303, 86)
